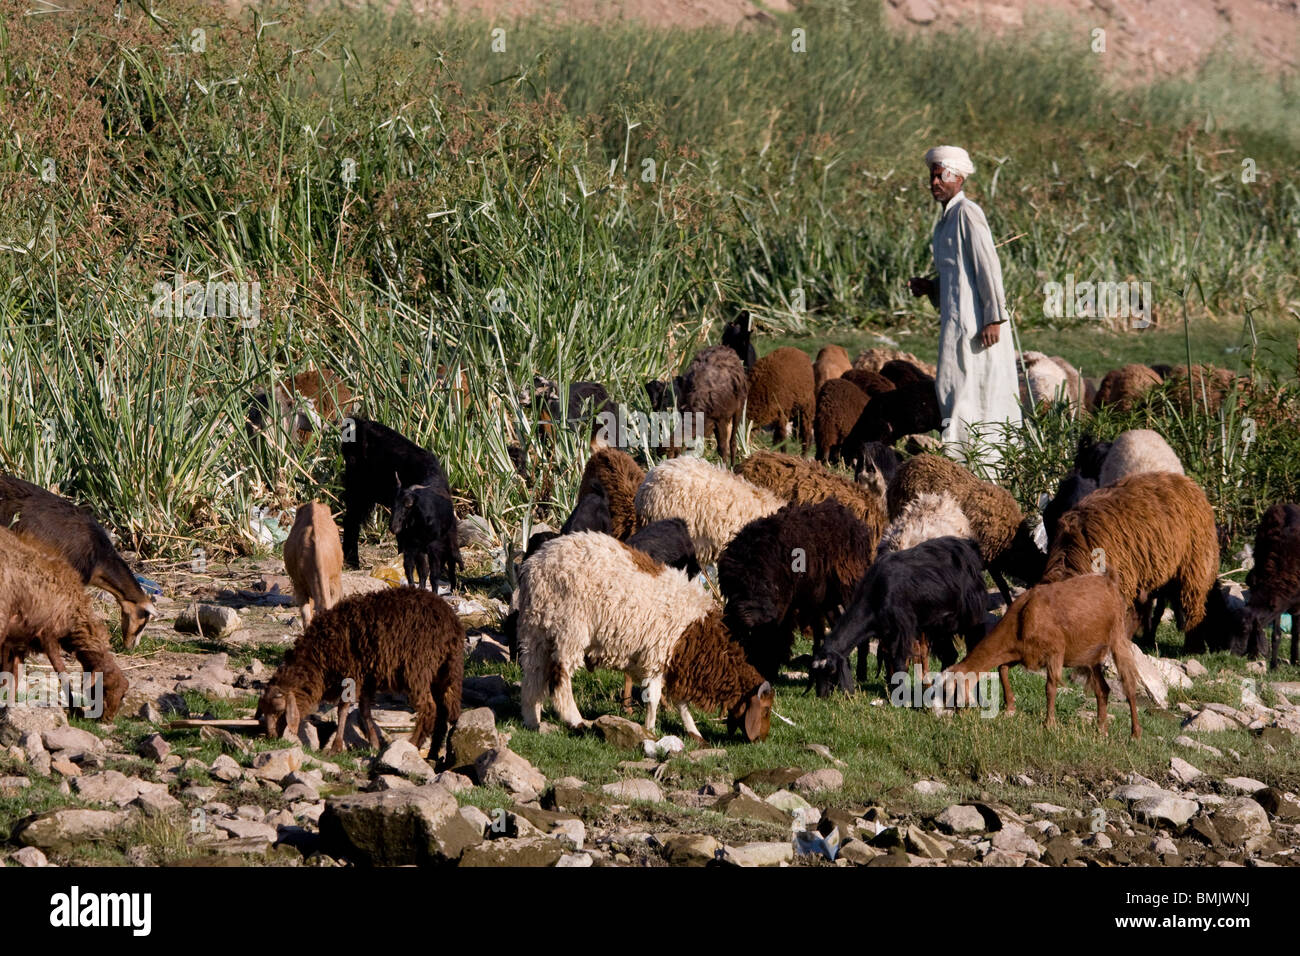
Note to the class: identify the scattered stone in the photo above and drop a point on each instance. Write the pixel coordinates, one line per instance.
(744, 807)
(16, 722)
(66, 768)
(576, 860)
(1282, 805)
(111, 786)
(960, 818)
(1242, 822)
(154, 747)
(225, 768)
(399, 827)
(1244, 785)
(929, 786)
(858, 853)
(1048, 809)
(242, 829)
(827, 778)
(1194, 668)
(475, 734)
(208, 620)
(620, 732)
(300, 791)
(60, 829)
(1182, 771)
(664, 747)
(1004, 858)
(1013, 839)
(635, 788)
(504, 768)
(1163, 845)
(30, 856)
(1183, 740)
(757, 854)
(402, 757)
(10, 786)
(391, 781)
(791, 803)
(698, 756)
(1170, 810)
(824, 752)
(1207, 721)
(71, 739)
(532, 851)
(927, 845)
(772, 777)
(690, 849)
(275, 765)
(455, 782)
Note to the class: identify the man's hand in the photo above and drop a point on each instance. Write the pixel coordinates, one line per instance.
(920, 285)
(989, 336)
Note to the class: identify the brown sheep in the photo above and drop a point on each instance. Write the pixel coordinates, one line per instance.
(873, 383)
(1209, 386)
(313, 559)
(832, 362)
(715, 386)
(804, 482)
(620, 476)
(44, 607)
(874, 360)
(782, 388)
(1148, 532)
(902, 372)
(1006, 542)
(405, 640)
(1125, 387)
(839, 406)
(1074, 623)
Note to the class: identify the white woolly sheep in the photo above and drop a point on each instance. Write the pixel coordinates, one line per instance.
(1138, 450)
(925, 517)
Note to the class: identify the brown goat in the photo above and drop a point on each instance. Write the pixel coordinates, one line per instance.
(832, 362)
(301, 403)
(620, 476)
(44, 607)
(839, 406)
(405, 640)
(782, 388)
(1073, 623)
(313, 558)
(1146, 531)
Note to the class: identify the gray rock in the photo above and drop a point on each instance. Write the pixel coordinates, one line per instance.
(1183, 740)
(1004, 858)
(576, 860)
(1242, 822)
(1048, 809)
(1244, 785)
(758, 854)
(621, 732)
(960, 819)
(1207, 721)
(156, 803)
(16, 722)
(1169, 810)
(476, 818)
(59, 829)
(635, 788)
(397, 827)
(208, 620)
(690, 849)
(455, 782)
(71, 739)
(402, 757)
(532, 851)
(301, 791)
(1182, 771)
(10, 786)
(929, 786)
(828, 778)
(1194, 668)
(926, 845)
(243, 829)
(30, 856)
(505, 768)
(111, 786)
(475, 734)
(858, 853)
(226, 769)
(275, 765)
(154, 747)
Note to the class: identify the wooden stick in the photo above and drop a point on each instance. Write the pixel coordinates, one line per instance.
(230, 723)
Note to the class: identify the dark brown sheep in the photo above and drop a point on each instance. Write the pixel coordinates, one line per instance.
(874, 360)
(873, 383)
(1274, 582)
(1204, 387)
(1150, 531)
(1125, 387)
(839, 406)
(621, 476)
(782, 388)
(832, 362)
(84, 544)
(44, 607)
(405, 640)
(902, 372)
(715, 386)
(709, 669)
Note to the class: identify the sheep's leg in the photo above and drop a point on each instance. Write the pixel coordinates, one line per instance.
(1054, 665)
(367, 720)
(1000, 580)
(653, 691)
(626, 699)
(1008, 698)
(356, 513)
(1098, 681)
(565, 705)
(306, 610)
(1122, 651)
(408, 564)
(862, 663)
(1277, 639)
(336, 745)
(689, 722)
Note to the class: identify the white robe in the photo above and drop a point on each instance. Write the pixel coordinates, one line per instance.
(977, 387)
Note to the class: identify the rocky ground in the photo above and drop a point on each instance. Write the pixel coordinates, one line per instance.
(143, 792)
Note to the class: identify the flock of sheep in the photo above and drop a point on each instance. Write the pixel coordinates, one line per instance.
(895, 554)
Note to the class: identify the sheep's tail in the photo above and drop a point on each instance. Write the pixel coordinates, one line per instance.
(538, 676)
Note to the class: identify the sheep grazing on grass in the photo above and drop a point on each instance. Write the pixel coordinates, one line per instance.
(839, 406)
(714, 503)
(788, 571)
(620, 476)
(889, 416)
(404, 640)
(715, 386)
(782, 389)
(1150, 532)
(871, 383)
(1126, 387)
(1136, 451)
(303, 404)
(909, 601)
(313, 559)
(377, 463)
(665, 396)
(592, 512)
(736, 336)
(877, 468)
(1074, 623)
(902, 372)
(44, 607)
(800, 481)
(1049, 379)
(1274, 583)
(82, 542)
(1006, 541)
(832, 361)
(588, 599)
(1203, 387)
(873, 360)
(424, 523)
(924, 518)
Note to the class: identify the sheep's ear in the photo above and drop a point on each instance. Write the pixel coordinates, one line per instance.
(758, 712)
(291, 716)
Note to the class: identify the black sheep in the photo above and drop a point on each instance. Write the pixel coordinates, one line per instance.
(789, 570)
(878, 458)
(902, 372)
(424, 523)
(737, 334)
(910, 409)
(669, 542)
(1089, 456)
(665, 396)
(931, 592)
(1274, 584)
(1073, 488)
(377, 462)
(591, 512)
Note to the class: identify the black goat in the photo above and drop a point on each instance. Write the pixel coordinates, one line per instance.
(424, 522)
(1073, 488)
(737, 334)
(921, 597)
(1274, 584)
(909, 409)
(591, 512)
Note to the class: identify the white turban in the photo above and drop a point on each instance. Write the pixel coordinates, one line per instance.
(951, 157)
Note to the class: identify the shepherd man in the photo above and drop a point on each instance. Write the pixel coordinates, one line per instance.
(976, 382)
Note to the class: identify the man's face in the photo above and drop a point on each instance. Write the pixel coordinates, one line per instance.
(944, 183)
